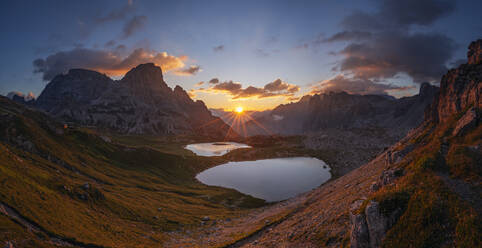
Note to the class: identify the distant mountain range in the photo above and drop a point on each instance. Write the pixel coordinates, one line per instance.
(139, 103)
(142, 103)
(345, 111)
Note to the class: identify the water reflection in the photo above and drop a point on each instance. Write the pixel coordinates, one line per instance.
(269, 179)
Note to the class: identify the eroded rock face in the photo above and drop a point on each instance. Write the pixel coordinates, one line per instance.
(368, 228)
(467, 122)
(139, 103)
(460, 88)
(359, 230)
(394, 157)
(377, 224)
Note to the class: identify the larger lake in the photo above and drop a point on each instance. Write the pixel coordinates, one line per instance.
(269, 179)
(214, 148)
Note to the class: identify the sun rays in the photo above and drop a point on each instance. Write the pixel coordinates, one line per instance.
(238, 121)
(239, 110)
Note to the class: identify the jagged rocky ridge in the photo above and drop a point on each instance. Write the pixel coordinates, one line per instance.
(139, 103)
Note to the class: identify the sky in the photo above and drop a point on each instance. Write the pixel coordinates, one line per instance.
(255, 54)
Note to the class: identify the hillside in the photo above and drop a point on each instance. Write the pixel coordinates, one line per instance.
(72, 187)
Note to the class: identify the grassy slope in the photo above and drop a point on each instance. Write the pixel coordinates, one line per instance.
(126, 185)
(436, 215)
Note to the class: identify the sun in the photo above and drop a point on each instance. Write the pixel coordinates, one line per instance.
(239, 110)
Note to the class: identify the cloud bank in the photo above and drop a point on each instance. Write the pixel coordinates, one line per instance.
(106, 62)
(276, 88)
(385, 43)
(355, 86)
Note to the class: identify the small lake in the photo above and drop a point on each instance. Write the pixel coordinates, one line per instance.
(214, 148)
(269, 179)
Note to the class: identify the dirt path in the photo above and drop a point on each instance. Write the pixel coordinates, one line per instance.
(34, 227)
(253, 237)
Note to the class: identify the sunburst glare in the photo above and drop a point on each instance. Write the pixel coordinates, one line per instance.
(239, 110)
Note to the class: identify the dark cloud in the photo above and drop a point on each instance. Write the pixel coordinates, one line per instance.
(119, 49)
(348, 35)
(279, 85)
(355, 86)
(229, 86)
(395, 14)
(133, 25)
(103, 61)
(191, 70)
(382, 44)
(421, 56)
(236, 90)
(110, 43)
(117, 14)
(219, 48)
(214, 81)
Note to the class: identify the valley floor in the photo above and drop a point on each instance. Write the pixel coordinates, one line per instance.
(314, 219)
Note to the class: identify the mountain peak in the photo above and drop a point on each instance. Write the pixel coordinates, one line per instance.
(146, 79)
(475, 52)
(81, 74)
(147, 71)
(427, 91)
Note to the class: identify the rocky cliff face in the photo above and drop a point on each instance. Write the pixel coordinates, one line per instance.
(460, 88)
(139, 103)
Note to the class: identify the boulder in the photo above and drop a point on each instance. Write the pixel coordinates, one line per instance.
(368, 227)
(376, 224)
(359, 230)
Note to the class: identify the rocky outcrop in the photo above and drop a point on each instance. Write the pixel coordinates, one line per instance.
(359, 229)
(139, 103)
(395, 156)
(387, 177)
(368, 227)
(467, 122)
